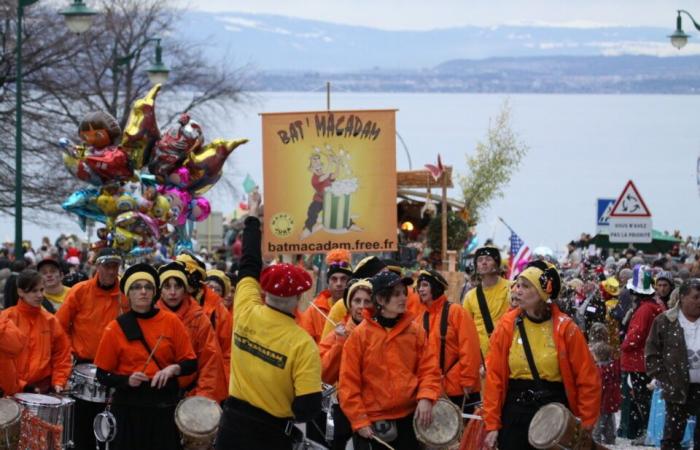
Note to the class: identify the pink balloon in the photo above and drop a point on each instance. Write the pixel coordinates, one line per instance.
(200, 208)
(179, 203)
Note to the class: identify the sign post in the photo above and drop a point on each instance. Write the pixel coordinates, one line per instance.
(630, 219)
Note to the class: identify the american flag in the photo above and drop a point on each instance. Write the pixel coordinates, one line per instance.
(518, 252)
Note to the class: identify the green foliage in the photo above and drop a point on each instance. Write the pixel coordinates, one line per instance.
(457, 232)
(492, 165)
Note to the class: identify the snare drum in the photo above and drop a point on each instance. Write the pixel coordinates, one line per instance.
(45, 407)
(83, 384)
(66, 419)
(446, 428)
(197, 418)
(554, 427)
(9, 424)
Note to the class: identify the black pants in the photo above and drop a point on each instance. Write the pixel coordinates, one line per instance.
(316, 429)
(312, 213)
(245, 427)
(145, 428)
(518, 411)
(641, 403)
(342, 431)
(677, 419)
(405, 440)
(83, 434)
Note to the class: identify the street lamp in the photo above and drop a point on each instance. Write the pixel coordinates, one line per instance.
(158, 72)
(679, 38)
(81, 14)
(78, 16)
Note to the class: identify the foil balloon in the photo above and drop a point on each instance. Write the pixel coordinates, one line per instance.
(179, 204)
(125, 240)
(160, 208)
(141, 131)
(141, 251)
(171, 150)
(206, 166)
(107, 203)
(199, 210)
(179, 178)
(110, 164)
(126, 202)
(183, 246)
(82, 203)
(138, 223)
(99, 129)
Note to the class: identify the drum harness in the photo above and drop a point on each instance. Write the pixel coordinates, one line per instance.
(485, 315)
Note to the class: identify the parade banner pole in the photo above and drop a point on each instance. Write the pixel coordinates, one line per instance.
(444, 220)
(328, 95)
(507, 226)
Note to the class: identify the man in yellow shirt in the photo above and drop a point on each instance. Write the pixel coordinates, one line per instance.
(490, 299)
(54, 290)
(275, 364)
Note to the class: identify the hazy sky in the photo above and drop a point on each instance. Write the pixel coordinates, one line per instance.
(422, 14)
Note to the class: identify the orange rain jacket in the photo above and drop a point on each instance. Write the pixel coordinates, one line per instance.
(85, 313)
(210, 377)
(46, 355)
(311, 320)
(383, 373)
(462, 354)
(331, 349)
(222, 320)
(414, 306)
(578, 370)
(13, 341)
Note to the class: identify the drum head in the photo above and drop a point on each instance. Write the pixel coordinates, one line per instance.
(37, 399)
(104, 426)
(9, 411)
(548, 425)
(446, 427)
(197, 416)
(86, 370)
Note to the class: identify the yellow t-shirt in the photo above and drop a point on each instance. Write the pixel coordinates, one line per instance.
(57, 299)
(337, 314)
(544, 351)
(498, 302)
(273, 360)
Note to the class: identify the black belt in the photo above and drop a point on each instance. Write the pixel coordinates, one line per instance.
(529, 392)
(286, 425)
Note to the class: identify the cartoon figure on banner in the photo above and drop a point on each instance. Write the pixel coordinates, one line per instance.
(333, 185)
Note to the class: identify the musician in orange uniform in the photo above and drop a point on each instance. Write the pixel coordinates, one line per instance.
(13, 342)
(87, 309)
(537, 355)
(44, 364)
(453, 337)
(337, 275)
(357, 298)
(142, 353)
(210, 380)
(212, 304)
(388, 372)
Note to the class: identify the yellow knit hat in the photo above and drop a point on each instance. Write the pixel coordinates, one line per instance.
(220, 275)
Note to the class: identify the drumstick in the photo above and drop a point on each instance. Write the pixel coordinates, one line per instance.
(324, 316)
(160, 338)
(382, 442)
(472, 416)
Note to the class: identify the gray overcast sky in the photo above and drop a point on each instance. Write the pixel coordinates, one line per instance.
(425, 14)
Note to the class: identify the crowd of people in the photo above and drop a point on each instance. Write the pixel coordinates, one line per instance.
(371, 354)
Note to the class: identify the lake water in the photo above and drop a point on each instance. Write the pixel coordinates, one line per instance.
(581, 147)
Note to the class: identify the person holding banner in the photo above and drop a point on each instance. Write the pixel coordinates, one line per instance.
(490, 299)
(537, 356)
(453, 338)
(275, 365)
(388, 372)
(141, 354)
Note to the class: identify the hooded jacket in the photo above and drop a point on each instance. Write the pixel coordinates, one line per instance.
(210, 379)
(578, 370)
(222, 321)
(85, 314)
(13, 342)
(384, 372)
(331, 349)
(632, 358)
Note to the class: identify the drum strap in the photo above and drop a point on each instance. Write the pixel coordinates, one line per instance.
(130, 326)
(528, 351)
(443, 330)
(484, 308)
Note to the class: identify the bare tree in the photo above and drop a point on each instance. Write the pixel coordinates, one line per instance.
(66, 76)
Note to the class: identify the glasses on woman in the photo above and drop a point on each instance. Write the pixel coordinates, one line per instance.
(143, 286)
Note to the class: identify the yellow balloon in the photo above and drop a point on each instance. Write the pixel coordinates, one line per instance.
(107, 204)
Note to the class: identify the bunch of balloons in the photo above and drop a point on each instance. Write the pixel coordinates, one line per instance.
(146, 185)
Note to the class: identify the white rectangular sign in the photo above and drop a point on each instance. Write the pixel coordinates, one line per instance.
(630, 230)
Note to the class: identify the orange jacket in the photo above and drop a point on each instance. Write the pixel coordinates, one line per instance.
(414, 306)
(221, 318)
(47, 353)
(311, 320)
(210, 377)
(331, 349)
(578, 370)
(13, 341)
(383, 373)
(86, 312)
(118, 355)
(462, 354)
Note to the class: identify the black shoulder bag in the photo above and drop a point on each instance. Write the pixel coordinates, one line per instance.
(443, 331)
(484, 308)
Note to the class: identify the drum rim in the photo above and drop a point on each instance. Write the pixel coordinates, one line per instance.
(558, 436)
(54, 404)
(77, 370)
(425, 440)
(200, 399)
(15, 418)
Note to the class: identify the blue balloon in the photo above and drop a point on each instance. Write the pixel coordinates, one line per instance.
(81, 203)
(472, 244)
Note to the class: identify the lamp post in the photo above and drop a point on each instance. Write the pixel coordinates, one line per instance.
(679, 38)
(77, 12)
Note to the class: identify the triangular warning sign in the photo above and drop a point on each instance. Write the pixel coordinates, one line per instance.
(630, 203)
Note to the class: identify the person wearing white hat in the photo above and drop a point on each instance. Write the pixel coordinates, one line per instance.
(632, 358)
